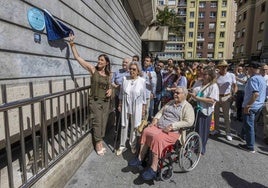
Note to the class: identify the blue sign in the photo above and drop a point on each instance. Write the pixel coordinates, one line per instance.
(36, 19)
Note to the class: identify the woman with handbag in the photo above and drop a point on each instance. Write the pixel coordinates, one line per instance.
(206, 96)
(132, 106)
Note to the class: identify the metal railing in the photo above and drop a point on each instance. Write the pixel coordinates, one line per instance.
(63, 120)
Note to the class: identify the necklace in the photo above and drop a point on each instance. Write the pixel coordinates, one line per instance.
(133, 81)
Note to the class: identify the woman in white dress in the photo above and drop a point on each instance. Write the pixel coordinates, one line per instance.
(132, 106)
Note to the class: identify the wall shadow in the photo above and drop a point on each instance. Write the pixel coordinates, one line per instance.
(61, 44)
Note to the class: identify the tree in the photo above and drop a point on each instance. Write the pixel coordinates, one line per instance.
(169, 18)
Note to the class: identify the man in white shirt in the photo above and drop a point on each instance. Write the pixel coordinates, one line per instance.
(227, 88)
(149, 75)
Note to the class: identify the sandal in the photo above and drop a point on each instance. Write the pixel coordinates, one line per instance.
(100, 152)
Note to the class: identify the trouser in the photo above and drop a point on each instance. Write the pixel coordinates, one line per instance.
(265, 119)
(238, 101)
(124, 133)
(248, 130)
(224, 103)
(157, 101)
(202, 128)
(99, 110)
(117, 115)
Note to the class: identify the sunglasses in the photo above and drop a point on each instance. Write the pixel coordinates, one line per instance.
(177, 92)
(134, 69)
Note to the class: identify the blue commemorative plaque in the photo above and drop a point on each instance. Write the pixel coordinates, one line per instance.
(36, 19)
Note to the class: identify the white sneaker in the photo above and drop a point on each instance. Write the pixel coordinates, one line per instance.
(229, 137)
(120, 150)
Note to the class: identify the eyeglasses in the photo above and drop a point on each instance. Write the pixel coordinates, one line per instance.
(177, 92)
(134, 69)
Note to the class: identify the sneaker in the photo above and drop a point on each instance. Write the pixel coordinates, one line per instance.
(135, 162)
(214, 132)
(149, 174)
(120, 150)
(229, 137)
(246, 148)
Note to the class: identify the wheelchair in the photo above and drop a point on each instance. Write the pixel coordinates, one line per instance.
(186, 157)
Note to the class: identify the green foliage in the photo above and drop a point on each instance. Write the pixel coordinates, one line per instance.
(169, 18)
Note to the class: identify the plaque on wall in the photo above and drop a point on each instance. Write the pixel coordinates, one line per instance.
(36, 19)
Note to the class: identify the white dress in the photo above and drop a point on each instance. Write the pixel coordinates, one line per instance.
(133, 96)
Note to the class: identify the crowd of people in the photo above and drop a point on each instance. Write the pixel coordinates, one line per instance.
(171, 96)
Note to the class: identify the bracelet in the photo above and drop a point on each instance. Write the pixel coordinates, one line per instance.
(71, 43)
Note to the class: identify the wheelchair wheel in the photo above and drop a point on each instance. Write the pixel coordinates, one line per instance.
(190, 153)
(166, 173)
(165, 169)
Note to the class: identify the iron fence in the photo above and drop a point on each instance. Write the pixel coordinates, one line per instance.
(49, 126)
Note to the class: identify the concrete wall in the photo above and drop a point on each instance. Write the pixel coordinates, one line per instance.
(100, 26)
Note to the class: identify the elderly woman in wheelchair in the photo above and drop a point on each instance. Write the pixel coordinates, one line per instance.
(167, 127)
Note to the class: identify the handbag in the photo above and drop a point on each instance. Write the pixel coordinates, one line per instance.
(142, 126)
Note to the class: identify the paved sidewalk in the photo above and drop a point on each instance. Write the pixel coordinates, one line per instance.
(224, 165)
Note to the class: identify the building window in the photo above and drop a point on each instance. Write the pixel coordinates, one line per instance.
(236, 49)
(191, 34)
(220, 54)
(222, 34)
(245, 15)
(211, 25)
(210, 55)
(239, 18)
(259, 45)
(223, 14)
(210, 45)
(171, 2)
(199, 55)
(201, 15)
(212, 14)
(192, 4)
(243, 32)
(238, 34)
(242, 49)
(191, 14)
(221, 44)
(222, 24)
(202, 4)
(200, 35)
(190, 44)
(190, 54)
(213, 4)
(263, 7)
(201, 25)
(224, 3)
(211, 35)
(261, 26)
(161, 2)
(191, 24)
(199, 45)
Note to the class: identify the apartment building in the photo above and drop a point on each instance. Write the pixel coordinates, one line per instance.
(251, 29)
(208, 33)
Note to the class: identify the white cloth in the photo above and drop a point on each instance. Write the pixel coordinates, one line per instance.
(266, 80)
(225, 83)
(150, 83)
(133, 96)
(212, 92)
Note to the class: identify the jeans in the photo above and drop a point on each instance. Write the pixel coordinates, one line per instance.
(248, 130)
(157, 101)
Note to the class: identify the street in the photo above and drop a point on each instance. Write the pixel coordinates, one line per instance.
(223, 165)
